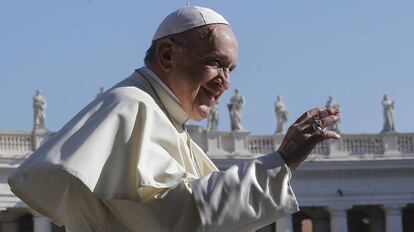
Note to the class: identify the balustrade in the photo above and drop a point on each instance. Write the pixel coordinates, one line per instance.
(15, 142)
(406, 143)
(321, 149)
(365, 144)
(261, 144)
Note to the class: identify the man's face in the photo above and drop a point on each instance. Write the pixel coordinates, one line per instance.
(202, 69)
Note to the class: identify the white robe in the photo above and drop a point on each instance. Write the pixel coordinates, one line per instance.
(126, 163)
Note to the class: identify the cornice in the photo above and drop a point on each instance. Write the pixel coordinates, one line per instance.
(346, 173)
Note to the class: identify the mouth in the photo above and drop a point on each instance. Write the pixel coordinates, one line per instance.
(211, 95)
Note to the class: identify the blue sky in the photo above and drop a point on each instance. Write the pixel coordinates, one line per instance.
(303, 50)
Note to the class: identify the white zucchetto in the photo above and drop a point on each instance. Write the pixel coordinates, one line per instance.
(186, 18)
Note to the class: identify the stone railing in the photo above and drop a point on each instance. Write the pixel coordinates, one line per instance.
(364, 144)
(406, 143)
(243, 144)
(15, 142)
(265, 144)
(261, 144)
(322, 148)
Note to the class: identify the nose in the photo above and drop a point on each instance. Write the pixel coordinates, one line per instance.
(225, 72)
(224, 78)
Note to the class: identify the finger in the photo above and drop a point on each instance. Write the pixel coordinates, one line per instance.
(329, 120)
(302, 118)
(324, 135)
(308, 115)
(329, 111)
(331, 135)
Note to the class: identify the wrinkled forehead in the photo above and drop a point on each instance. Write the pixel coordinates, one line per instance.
(221, 40)
(212, 36)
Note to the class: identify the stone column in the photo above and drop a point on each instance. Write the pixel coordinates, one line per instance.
(284, 224)
(393, 218)
(338, 216)
(41, 224)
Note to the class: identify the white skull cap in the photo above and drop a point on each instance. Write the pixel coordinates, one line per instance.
(186, 18)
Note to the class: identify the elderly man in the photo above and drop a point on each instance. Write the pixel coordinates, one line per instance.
(126, 162)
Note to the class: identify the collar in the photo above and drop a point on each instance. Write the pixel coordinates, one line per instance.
(169, 102)
(154, 76)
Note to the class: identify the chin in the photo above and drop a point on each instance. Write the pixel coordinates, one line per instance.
(199, 117)
(200, 113)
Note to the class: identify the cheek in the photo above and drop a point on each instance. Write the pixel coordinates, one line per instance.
(202, 77)
(208, 74)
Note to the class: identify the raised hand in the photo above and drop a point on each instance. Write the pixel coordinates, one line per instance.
(308, 130)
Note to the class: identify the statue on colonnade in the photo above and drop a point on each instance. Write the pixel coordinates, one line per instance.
(281, 114)
(39, 107)
(332, 103)
(388, 107)
(235, 105)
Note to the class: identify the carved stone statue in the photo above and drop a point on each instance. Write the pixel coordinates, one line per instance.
(235, 105)
(39, 107)
(281, 114)
(213, 119)
(388, 106)
(332, 103)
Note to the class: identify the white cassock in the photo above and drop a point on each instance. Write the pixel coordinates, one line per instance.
(126, 163)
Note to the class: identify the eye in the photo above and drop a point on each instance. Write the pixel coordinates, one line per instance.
(215, 63)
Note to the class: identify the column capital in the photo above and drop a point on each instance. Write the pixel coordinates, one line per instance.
(339, 210)
(393, 217)
(393, 208)
(338, 220)
(338, 207)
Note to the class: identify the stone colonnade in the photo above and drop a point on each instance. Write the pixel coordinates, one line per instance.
(17, 224)
(337, 220)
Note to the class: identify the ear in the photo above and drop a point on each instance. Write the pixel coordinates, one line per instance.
(165, 54)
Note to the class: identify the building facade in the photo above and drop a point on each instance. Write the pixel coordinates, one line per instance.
(359, 183)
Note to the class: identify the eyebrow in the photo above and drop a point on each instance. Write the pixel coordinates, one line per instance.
(220, 56)
(216, 54)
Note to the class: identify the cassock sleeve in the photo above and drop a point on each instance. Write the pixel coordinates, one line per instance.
(245, 197)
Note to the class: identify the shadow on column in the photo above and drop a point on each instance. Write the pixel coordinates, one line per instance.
(358, 219)
(408, 218)
(25, 223)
